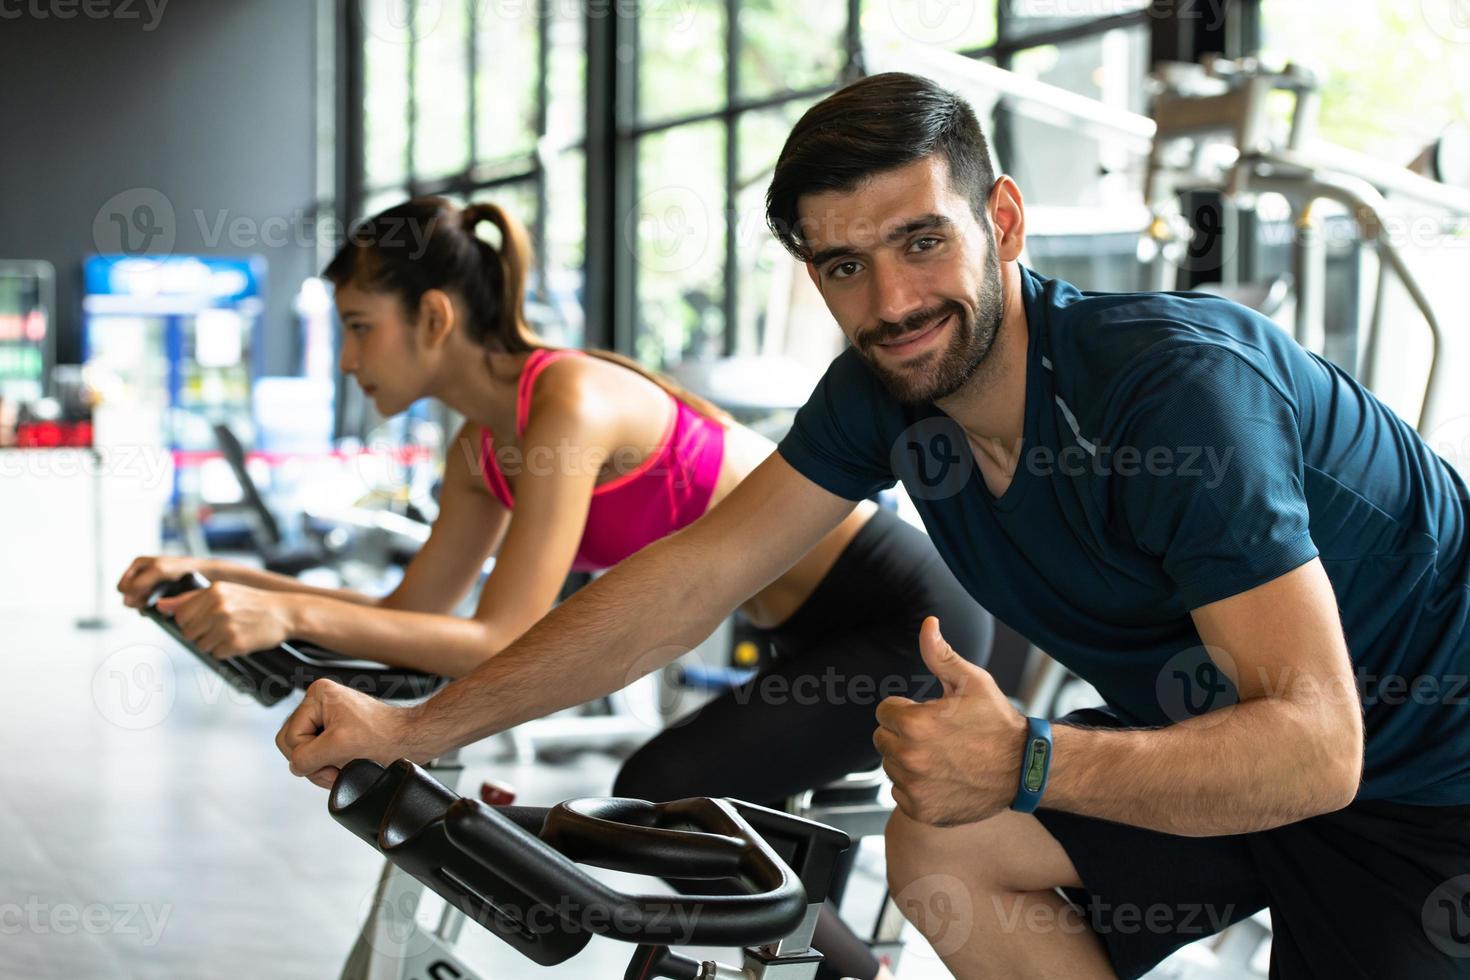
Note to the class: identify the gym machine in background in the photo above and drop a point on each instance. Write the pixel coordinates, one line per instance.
(1216, 133)
(1217, 127)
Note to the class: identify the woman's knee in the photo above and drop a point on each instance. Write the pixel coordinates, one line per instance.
(665, 769)
(647, 774)
(971, 631)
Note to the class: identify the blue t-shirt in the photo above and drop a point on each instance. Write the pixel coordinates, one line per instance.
(1180, 449)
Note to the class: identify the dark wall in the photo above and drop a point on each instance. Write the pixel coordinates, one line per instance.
(201, 107)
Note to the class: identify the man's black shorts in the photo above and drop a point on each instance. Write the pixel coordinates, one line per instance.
(1378, 890)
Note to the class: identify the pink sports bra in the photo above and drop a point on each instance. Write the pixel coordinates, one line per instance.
(670, 489)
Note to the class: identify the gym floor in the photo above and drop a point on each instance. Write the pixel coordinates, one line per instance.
(149, 829)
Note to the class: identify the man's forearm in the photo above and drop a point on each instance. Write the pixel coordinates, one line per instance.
(1248, 767)
(637, 618)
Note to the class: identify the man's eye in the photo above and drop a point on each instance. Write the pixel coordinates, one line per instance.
(843, 269)
(925, 244)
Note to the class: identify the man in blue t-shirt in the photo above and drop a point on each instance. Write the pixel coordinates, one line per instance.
(1260, 568)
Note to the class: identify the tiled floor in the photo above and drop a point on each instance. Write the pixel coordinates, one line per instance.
(149, 829)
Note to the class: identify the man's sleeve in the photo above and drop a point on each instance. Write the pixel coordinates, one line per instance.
(1207, 473)
(837, 439)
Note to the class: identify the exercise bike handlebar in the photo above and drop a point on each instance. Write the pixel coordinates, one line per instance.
(639, 837)
(270, 675)
(514, 870)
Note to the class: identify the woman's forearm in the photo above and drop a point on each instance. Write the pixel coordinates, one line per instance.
(430, 642)
(259, 578)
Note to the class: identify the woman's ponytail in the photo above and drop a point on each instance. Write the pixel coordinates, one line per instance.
(430, 243)
(512, 258)
(446, 253)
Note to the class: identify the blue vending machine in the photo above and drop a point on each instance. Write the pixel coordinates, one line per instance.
(177, 335)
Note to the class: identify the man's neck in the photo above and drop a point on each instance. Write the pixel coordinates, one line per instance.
(991, 407)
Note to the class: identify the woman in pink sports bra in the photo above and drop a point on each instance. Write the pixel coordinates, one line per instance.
(572, 460)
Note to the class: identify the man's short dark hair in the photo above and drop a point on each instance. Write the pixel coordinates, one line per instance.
(876, 124)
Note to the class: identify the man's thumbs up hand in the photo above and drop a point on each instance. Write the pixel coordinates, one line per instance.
(952, 670)
(956, 760)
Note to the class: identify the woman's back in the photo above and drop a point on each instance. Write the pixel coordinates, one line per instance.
(660, 473)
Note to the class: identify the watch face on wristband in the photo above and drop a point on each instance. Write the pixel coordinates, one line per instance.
(1036, 765)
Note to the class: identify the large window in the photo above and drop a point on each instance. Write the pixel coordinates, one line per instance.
(1393, 74)
(1083, 186)
(719, 85)
(475, 99)
(1084, 190)
(482, 101)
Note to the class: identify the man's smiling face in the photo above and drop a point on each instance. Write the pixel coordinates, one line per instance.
(910, 274)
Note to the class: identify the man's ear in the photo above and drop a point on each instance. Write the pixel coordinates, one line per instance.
(1008, 217)
(436, 317)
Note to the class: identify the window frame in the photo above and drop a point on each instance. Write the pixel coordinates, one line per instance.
(613, 127)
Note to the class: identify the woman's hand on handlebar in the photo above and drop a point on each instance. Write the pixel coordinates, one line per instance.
(228, 620)
(148, 572)
(334, 725)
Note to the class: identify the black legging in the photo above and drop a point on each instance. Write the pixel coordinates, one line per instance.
(807, 718)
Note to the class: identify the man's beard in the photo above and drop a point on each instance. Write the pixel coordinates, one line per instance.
(936, 375)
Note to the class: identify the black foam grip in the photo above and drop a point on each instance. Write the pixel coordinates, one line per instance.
(400, 811)
(774, 905)
(626, 835)
(270, 675)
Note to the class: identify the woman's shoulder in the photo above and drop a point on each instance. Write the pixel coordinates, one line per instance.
(560, 376)
(571, 378)
(573, 391)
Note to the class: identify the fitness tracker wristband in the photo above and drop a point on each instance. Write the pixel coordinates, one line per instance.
(1035, 766)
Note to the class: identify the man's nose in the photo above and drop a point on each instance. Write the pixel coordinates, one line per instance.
(895, 294)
